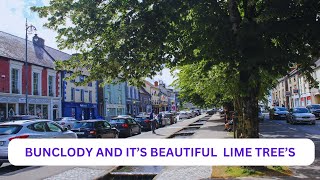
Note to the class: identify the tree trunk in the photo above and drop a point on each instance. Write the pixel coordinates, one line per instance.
(247, 111)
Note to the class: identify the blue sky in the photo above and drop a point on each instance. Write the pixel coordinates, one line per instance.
(13, 14)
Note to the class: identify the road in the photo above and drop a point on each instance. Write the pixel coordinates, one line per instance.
(280, 129)
(268, 129)
(10, 172)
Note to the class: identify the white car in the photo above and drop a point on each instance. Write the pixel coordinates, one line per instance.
(183, 115)
(29, 129)
(66, 122)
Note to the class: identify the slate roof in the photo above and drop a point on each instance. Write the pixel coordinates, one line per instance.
(13, 47)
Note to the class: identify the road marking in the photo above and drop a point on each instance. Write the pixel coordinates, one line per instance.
(293, 128)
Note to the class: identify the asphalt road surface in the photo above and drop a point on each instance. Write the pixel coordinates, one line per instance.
(281, 129)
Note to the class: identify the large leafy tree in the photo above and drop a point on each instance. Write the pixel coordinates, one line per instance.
(130, 39)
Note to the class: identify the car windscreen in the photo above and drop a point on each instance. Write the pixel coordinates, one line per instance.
(117, 121)
(9, 129)
(281, 109)
(167, 115)
(83, 125)
(315, 106)
(17, 118)
(301, 110)
(58, 119)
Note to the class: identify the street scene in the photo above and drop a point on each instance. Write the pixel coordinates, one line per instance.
(182, 69)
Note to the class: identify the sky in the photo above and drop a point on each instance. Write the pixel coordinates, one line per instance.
(13, 14)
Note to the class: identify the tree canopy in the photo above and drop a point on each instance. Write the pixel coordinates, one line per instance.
(133, 39)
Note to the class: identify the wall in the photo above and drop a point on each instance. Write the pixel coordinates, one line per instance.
(4, 75)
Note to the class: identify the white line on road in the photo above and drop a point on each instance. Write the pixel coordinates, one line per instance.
(293, 128)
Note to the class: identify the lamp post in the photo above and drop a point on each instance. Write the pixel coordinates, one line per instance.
(29, 30)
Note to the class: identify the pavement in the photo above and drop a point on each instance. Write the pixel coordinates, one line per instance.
(213, 128)
(268, 129)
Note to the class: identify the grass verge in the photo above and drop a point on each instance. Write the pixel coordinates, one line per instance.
(239, 171)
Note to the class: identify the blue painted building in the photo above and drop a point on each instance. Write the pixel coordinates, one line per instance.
(132, 99)
(79, 102)
(113, 100)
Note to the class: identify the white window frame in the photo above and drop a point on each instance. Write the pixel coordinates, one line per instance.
(38, 70)
(53, 74)
(18, 66)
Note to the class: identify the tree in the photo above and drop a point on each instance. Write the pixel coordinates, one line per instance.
(131, 39)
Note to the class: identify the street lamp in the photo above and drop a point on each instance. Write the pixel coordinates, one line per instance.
(30, 29)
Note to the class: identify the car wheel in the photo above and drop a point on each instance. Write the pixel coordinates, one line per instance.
(99, 137)
(69, 127)
(139, 132)
(1, 164)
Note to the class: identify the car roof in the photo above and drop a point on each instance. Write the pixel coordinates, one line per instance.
(122, 117)
(91, 120)
(21, 122)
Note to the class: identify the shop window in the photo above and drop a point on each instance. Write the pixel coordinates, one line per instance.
(15, 81)
(22, 109)
(31, 109)
(11, 110)
(45, 112)
(39, 110)
(3, 112)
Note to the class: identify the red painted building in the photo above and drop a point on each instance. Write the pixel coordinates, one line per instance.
(43, 81)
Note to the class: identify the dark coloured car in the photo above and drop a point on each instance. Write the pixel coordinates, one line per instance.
(145, 122)
(278, 113)
(211, 112)
(126, 125)
(95, 129)
(315, 109)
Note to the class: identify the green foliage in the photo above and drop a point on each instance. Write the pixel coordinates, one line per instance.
(249, 42)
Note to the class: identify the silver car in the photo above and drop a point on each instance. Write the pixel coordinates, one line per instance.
(66, 122)
(301, 115)
(29, 129)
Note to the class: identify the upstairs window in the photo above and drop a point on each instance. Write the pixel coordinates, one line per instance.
(36, 84)
(15, 81)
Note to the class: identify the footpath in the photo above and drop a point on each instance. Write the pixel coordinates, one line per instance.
(212, 129)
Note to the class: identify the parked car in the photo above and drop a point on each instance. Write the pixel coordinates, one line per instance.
(29, 129)
(22, 117)
(315, 109)
(145, 122)
(95, 129)
(278, 113)
(301, 115)
(183, 115)
(66, 122)
(126, 125)
(211, 112)
(198, 111)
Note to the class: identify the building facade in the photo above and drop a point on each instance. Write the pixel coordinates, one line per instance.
(114, 100)
(154, 91)
(294, 89)
(43, 81)
(132, 100)
(80, 102)
(145, 101)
